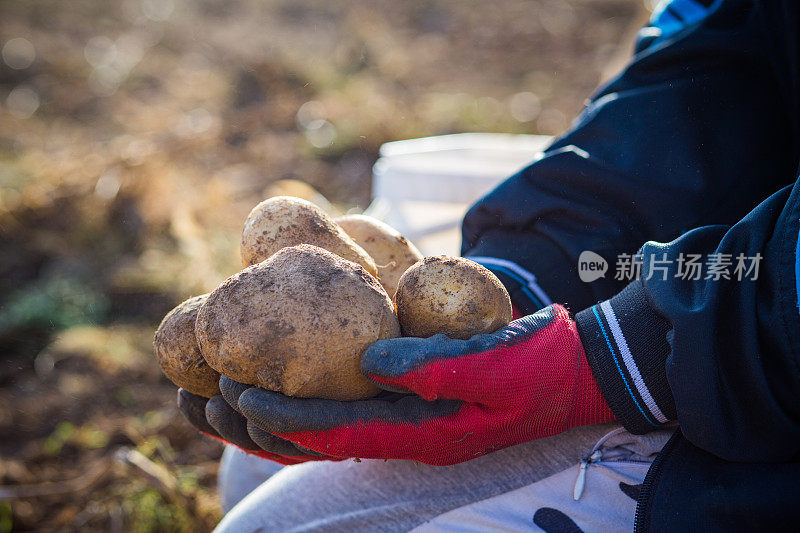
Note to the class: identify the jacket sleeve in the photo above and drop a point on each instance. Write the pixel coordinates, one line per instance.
(716, 348)
(698, 129)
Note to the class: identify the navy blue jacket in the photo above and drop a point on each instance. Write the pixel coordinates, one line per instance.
(684, 166)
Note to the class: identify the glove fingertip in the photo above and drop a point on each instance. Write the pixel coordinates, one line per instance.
(229, 424)
(216, 409)
(193, 408)
(373, 357)
(256, 404)
(231, 390)
(390, 358)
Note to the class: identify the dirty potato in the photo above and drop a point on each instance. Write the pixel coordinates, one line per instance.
(284, 221)
(297, 323)
(178, 353)
(393, 254)
(451, 295)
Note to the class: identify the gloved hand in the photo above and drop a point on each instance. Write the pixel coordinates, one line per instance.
(216, 418)
(462, 399)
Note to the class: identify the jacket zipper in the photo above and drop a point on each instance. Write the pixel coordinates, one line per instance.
(648, 485)
(580, 481)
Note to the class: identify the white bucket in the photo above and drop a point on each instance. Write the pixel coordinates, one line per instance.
(423, 187)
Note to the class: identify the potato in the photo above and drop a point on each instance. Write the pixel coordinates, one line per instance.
(178, 353)
(392, 253)
(297, 323)
(284, 221)
(451, 295)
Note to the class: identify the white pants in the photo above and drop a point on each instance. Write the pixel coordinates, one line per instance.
(537, 486)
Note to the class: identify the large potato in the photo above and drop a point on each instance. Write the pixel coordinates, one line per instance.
(284, 221)
(178, 354)
(392, 253)
(451, 295)
(297, 323)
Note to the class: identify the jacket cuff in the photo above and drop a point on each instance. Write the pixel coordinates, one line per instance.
(626, 344)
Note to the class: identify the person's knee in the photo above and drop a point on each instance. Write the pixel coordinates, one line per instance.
(327, 496)
(279, 504)
(240, 474)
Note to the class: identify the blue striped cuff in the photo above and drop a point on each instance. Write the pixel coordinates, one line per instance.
(626, 345)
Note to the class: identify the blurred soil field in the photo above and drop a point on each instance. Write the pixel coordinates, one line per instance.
(135, 136)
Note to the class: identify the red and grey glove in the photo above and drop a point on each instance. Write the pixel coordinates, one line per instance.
(461, 399)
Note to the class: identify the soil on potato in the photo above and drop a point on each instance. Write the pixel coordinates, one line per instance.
(135, 137)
